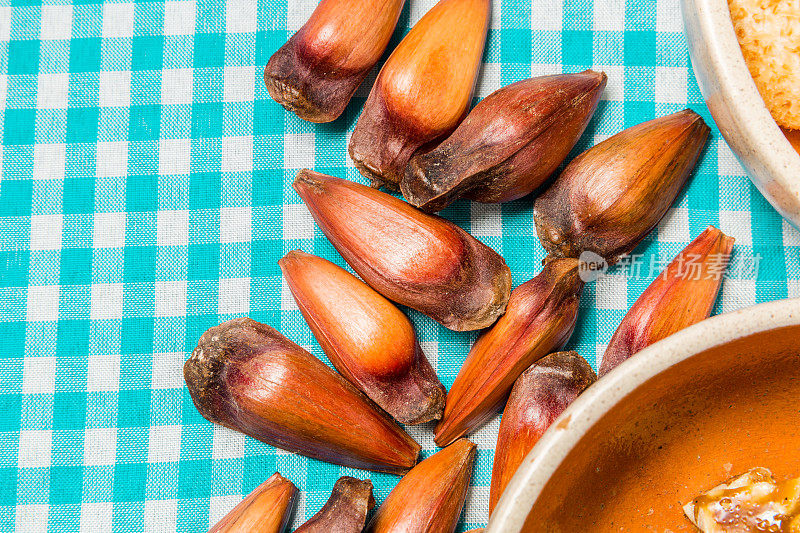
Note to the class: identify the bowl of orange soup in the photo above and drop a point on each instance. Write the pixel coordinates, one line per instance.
(717, 400)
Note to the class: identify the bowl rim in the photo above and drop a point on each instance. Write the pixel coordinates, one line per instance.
(566, 431)
(728, 88)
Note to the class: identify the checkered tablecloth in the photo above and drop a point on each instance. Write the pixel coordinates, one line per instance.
(146, 195)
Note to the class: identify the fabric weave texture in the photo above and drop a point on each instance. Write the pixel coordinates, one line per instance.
(146, 196)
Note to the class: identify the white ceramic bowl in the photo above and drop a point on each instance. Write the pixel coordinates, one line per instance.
(733, 345)
(737, 107)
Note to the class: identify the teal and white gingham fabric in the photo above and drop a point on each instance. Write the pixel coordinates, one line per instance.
(146, 196)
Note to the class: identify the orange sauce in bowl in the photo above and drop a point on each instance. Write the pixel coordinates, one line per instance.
(683, 432)
(794, 138)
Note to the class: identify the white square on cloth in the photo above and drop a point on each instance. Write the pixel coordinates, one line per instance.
(297, 222)
(241, 16)
(180, 17)
(418, 10)
(615, 82)
(3, 89)
(737, 224)
(100, 446)
(234, 296)
(239, 84)
(52, 91)
(671, 85)
(48, 161)
(5, 23)
(237, 154)
(727, 164)
(97, 517)
(488, 79)
(164, 445)
(674, 227)
(32, 518)
(174, 156)
(668, 16)
(115, 88)
(166, 370)
(793, 288)
(160, 516)
(297, 13)
(288, 302)
(228, 444)
(609, 15)
(106, 301)
(117, 20)
(109, 230)
(791, 237)
(34, 448)
(737, 293)
(486, 220)
(176, 86)
(547, 15)
(298, 150)
(112, 159)
(172, 228)
(476, 507)
(235, 224)
(170, 298)
(103, 373)
(39, 375)
(43, 303)
(46, 232)
(545, 69)
(612, 292)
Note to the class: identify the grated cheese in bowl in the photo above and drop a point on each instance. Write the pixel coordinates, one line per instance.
(769, 34)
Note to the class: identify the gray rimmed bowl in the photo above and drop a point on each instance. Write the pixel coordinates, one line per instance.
(737, 107)
(713, 400)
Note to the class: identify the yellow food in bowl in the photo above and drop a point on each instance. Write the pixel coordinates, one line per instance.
(752, 502)
(769, 34)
